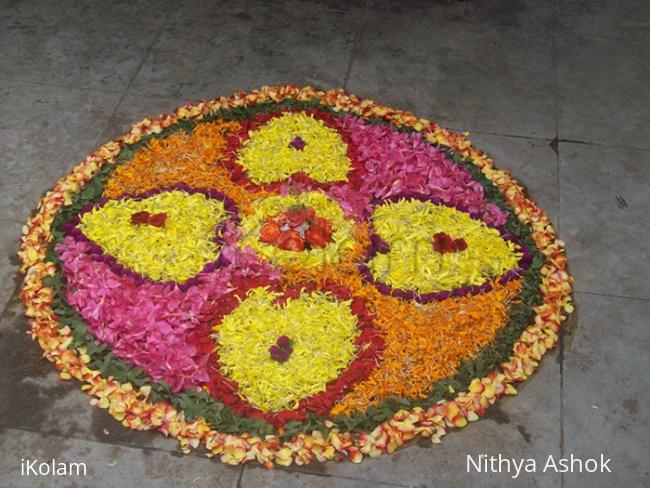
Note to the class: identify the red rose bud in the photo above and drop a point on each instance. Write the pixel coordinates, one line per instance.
(323, 225)
(270, 232)
(280, 355)
(296, 216)
(158, 220)
(298, 143)
(286, 353)
(291, 241)
(283, 341)
(140, 217)
(275, 352)
(316, 238)
(442, 243)
(459, 244)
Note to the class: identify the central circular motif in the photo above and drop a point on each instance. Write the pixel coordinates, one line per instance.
(296, 229)
(293, 275)
(310, 222)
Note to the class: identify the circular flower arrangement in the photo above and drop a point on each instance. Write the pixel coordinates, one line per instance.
(292, 275)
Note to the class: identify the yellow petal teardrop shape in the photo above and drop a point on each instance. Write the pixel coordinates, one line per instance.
(174, 251)
(268, 155)
(412, 263)
(321, 329)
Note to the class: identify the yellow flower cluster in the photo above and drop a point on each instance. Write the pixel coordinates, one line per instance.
(411, 263)
(342, 235)
(322, 332)
(177, 251)
(268, 156)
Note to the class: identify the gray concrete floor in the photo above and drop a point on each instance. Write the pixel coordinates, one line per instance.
(557, 91)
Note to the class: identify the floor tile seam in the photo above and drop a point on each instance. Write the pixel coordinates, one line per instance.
(323, 8)
(23, 81)
(612, 295)
(355, 43)
(125, 92)
(591, 37)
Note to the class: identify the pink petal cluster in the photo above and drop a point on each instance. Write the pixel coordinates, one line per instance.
(154, 325)
(397, 163)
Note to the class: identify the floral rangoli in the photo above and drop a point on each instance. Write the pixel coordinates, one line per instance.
(292, 275)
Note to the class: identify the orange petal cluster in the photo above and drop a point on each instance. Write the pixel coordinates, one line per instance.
(191, 159)
(427, 343)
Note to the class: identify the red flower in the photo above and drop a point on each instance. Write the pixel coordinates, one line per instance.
(270, 232)
(298, 215)
(320, 233)
(316, 238)
(296, 228)
(281, 350)
(298, 143)
(144, 217)
(283, 341)
(459, 244)
(323, 225)
(140, 217)
(291, 241)
(158, 220)
(443, 243)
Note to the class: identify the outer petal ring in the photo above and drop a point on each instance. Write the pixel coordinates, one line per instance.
(131, 406)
